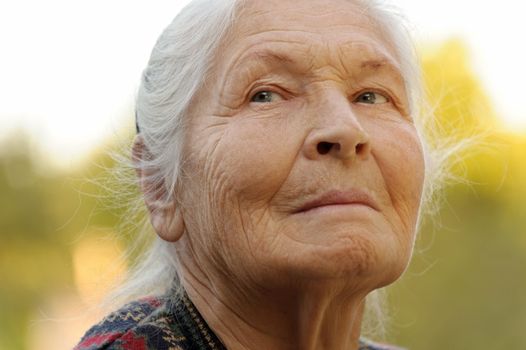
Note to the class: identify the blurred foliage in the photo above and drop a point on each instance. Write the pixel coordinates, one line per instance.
(44, 215)
(466, 287)
(460, 104)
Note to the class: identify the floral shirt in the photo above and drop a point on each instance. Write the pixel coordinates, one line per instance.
(162, 324)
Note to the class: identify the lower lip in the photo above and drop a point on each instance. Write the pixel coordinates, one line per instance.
(337, 208)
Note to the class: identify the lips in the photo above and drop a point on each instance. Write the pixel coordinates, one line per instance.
(331, 198)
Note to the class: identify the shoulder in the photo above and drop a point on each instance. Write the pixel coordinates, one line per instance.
(141, 325)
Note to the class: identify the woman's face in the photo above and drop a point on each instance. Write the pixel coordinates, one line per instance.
(302, 162)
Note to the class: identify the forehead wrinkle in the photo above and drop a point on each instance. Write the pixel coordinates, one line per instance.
(270, 56)
(264, 52)
(350, 60)
(294, 12)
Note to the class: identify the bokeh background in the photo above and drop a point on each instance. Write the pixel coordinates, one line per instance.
(68, 75)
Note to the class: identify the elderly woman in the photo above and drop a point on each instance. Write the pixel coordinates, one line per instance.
(281, 163)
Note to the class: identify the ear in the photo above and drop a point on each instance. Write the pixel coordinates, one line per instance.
(166, 218)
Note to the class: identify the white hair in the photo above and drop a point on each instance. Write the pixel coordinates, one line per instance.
(176, 70)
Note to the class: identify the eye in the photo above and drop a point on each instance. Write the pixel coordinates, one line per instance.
(265, 97)
(371, 97)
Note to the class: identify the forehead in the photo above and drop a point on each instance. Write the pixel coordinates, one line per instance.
(310, 27)
(309, 15)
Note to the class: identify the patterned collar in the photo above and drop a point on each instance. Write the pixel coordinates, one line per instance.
(165, 323)
(194, 327)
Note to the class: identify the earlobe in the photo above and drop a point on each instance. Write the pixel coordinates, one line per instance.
(167, 222)
(166, 217)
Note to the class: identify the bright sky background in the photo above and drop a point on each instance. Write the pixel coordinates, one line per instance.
(69, 69)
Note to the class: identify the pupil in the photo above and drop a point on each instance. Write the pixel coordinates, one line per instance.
(263, 96)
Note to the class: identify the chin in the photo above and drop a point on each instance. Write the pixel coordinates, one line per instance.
(357, 261)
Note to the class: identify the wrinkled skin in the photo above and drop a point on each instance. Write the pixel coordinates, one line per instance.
(306, 97)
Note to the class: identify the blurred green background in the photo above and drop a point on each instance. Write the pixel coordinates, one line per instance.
(465, 289)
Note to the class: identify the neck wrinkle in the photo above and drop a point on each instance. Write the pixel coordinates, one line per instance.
(311, 320)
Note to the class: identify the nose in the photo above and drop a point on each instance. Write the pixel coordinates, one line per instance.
(337, 132)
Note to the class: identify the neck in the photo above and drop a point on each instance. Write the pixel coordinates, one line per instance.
(322, 315)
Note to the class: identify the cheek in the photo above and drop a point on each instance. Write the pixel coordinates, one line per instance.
(401, 161)
(256, 157)
(234, 171)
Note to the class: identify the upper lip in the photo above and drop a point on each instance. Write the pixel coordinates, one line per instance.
(355, 196)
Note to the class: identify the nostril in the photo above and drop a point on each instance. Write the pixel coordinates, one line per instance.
(325, 147)
(359, 148)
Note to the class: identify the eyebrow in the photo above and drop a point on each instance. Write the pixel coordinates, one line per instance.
(263, 60)
(380, 64)
(268, 56)
(362, 68)
(375, 64)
